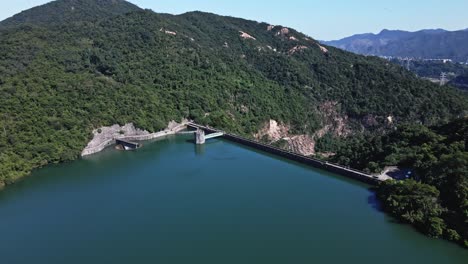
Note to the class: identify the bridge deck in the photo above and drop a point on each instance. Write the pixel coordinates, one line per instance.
(214, 135)
(186, 132)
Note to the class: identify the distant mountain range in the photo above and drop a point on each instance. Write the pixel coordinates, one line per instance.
(425, 44)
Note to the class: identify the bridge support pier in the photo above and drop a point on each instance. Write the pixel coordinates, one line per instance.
(200, 137)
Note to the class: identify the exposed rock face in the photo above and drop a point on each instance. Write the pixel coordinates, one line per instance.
(168, 32)
(270, 27)
(389, 120)
(293, 38)
(284, 31)
(297, 49)
(334, 123)
(302, 144)
(105, 136)
(246, 36)
(322, 48)
(115, 131)
(273, 130)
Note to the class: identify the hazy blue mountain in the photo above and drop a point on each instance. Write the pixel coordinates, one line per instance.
(425, 44)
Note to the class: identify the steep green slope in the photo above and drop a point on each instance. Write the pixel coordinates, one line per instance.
(59, 81)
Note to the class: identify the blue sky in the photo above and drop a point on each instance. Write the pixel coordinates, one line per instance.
(325, 19)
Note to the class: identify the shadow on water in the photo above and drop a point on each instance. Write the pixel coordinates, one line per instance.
(373, 201)
(322, 172)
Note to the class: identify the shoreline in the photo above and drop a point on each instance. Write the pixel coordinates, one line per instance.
(99, 143)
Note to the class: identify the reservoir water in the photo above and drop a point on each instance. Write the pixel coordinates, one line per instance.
(174, 202)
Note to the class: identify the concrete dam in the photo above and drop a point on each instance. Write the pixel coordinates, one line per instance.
(201, 136)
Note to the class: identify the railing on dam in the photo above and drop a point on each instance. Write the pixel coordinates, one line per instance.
(331, 167)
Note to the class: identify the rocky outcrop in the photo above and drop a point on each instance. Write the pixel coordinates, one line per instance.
(283, 32)
(293, 38)
(274, 131)
(297, 49)
(246, 36)
(302, 144)
(168, 32)
(322, 48)
(334, 122)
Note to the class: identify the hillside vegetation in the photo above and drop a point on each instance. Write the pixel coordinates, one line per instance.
(435, 200)
(63, 74)
(70, 11)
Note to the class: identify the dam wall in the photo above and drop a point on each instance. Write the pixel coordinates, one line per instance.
(334, 168)
(327, 166)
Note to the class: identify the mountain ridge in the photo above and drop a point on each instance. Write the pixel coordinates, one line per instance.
(425, 44)
(65, 11)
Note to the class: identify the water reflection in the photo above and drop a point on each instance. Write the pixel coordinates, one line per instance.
(199, 149)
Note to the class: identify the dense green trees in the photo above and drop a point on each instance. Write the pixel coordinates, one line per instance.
(70, 11)
(432, 69)
(436, 199)
(415, 203)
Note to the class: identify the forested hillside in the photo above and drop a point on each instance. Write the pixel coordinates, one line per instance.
(461, 81)
(59, 81)
(70, 11)
(435, 200)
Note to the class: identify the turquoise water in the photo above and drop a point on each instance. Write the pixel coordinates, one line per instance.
(174, 202)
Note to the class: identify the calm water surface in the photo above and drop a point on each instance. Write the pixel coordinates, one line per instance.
(173, 202)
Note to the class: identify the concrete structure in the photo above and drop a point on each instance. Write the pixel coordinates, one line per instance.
(327, 166)
(111, 140)
(127, 145)
(200, 137)
(214, 135)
